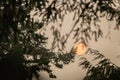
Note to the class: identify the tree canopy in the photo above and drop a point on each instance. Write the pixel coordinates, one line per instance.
(104, 69)
(23, 51)
(20, 40)
(87, 14)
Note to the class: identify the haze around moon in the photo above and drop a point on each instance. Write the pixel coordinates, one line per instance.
(79, 48)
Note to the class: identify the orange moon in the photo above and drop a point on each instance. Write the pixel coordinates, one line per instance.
(79, 48)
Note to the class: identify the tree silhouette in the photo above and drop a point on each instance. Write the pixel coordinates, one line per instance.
(103, 70)
(19, 41)
(23, 51)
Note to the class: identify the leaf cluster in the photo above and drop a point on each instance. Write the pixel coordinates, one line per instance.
(103, 70)
(23, 51)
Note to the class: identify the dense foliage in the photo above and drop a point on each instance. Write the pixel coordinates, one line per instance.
(87, 15)
(23, 52)
(19, 40)
(104, 69)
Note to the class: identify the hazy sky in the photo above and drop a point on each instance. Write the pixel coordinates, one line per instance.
(109, 46)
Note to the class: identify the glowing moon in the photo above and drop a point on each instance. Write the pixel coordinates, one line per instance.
(79, 48)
